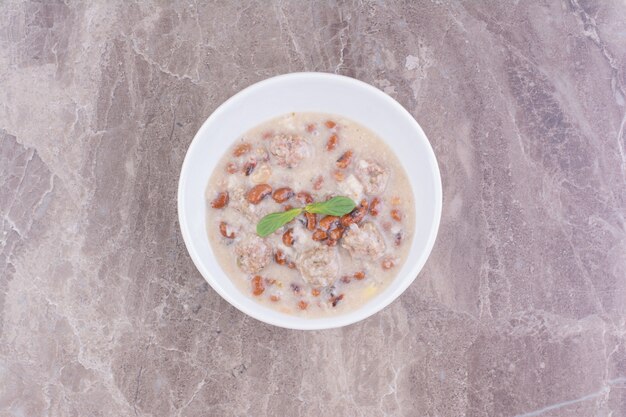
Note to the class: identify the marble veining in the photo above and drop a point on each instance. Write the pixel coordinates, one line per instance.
(520, 310)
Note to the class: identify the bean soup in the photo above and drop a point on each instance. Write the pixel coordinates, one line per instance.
(315, 265)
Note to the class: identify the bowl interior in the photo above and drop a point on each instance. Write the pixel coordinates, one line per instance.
(309, 92)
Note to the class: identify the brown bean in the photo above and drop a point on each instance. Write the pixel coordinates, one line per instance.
(359, 275)
(374, 211)
(258, 193)
(346, 220)
(344, 160)
(231, 168)
(319, 234)
(274, 298)
(282, 194)
(249, 166)
(242, 149)
(220, 201)
(315, 292)
(330, 124)
(355, 216)
(303, 304)
(279, 257)
(287, 207)
(396, 215)
(317, 184)
(337, 233)
(331, 144)
(359, 214)
(288, 237)
(335, 299)
(311, 220)
(304, 197)
(224, 231)
(257, 285)
(331, 242)
(310, 127)
(327, 222)
(388, 263)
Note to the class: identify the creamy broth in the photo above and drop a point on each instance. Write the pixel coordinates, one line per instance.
(287, 162)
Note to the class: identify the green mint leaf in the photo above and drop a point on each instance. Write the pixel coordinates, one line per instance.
(272, 222)
(336, 206)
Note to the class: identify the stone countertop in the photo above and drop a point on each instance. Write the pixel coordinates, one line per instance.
(520, 310)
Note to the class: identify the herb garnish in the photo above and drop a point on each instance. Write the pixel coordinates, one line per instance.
(336, 206)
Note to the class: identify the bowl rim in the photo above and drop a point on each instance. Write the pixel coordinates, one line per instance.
(312, 323)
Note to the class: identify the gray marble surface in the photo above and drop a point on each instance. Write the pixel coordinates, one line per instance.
(521, 309)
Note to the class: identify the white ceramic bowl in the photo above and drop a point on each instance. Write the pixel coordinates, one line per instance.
(309, 92)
